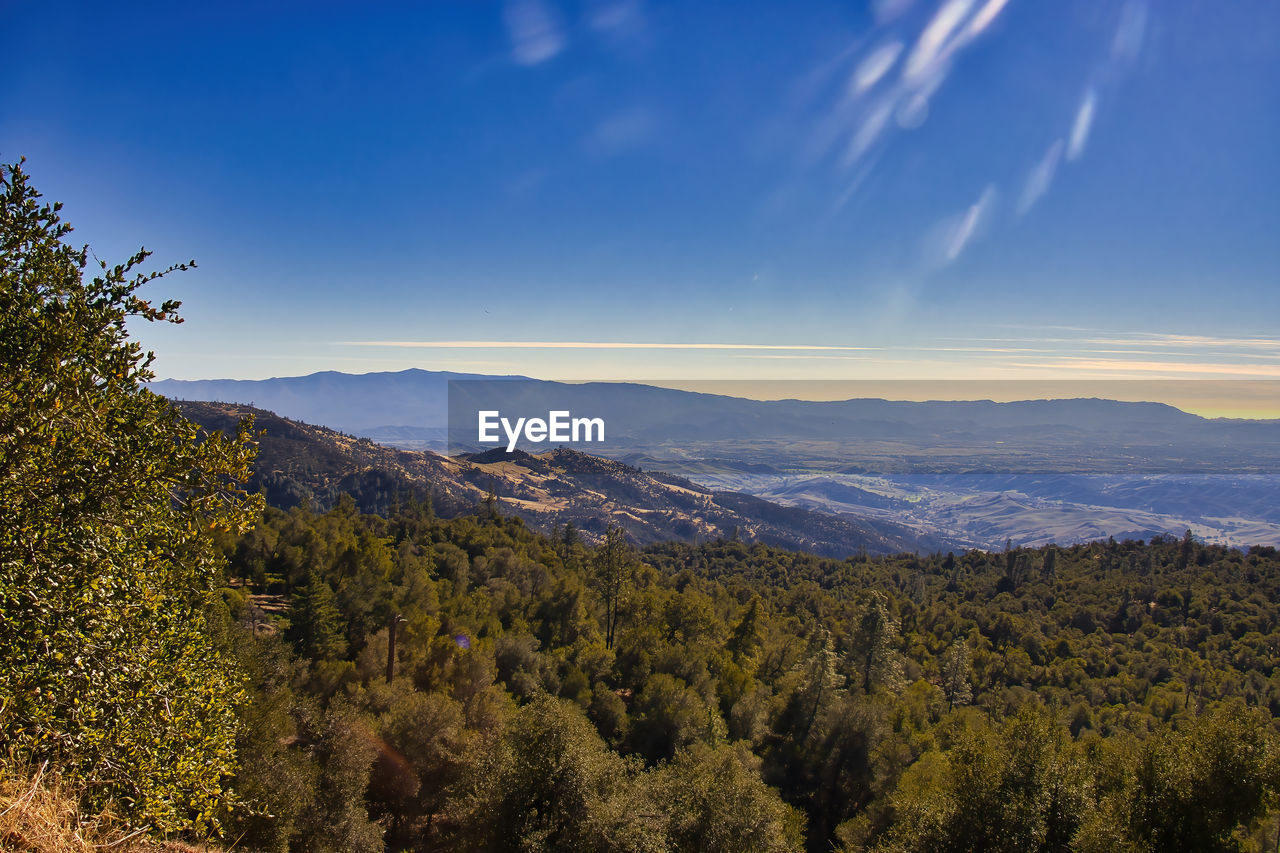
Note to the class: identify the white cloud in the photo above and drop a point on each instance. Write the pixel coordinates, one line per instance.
(624, 17)
(1131, 31)
(874, 66)
(932, 48)
(1194, 341)
(1041, 178)
(868, 132)
(621, 131)
(535, 31)
(984, 18)
(594, 345)
(1169, 367)
(1081, 126)
(620, 24)
(967, 226)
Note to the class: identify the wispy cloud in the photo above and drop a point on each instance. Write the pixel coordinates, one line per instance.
(622, 131)
(874, 66)
(887, 10)
(535, 31)
(1191, 342)
(1138, 351)
(594, 345)
(986, 350)
(1041, 178)
(932, 47)
(950, 238)
(877, 359)
(1125, 341)
(1159, 367)
(886, 80)
(620, 22)
(966, 227)
(984, 17)
(1131, 351)
(1081, 126)
(1139, 357)
(869, 131)
(883, 87)
(1131, 31)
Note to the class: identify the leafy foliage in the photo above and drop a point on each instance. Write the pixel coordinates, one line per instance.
(111, 667)
(734, 709)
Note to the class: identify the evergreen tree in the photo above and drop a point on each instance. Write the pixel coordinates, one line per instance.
(1185, 550)
(316, 622)
(821, 683)
(955, 674)
(612, 567)
(746, 638)
(878, 659)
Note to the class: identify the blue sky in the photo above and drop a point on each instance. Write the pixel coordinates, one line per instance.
(939, 189)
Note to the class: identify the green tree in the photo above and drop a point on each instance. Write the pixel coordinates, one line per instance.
(337, 820)
(426, 752)
(1185, 550)
(315, 621)
(820, 685)
(878, 660)
(747, 635)
(1193, 789)
(553, 785)
(955, 674)
(1018, 787)
(107, 566)
(668, 715)
(612, 567)
(714, 800)
(277, 777)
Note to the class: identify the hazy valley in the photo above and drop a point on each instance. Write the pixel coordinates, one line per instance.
(304, 464)
(967, 473)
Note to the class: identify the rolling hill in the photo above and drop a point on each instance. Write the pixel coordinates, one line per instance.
(301, 463)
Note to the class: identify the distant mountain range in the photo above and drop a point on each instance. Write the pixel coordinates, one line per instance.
(301, 463)
(412, 407)
(354, 403)
(974, 472)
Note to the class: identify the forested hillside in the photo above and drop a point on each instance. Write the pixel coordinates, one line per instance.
(301, 464)
(547, 695)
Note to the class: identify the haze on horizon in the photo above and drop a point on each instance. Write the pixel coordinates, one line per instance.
(624, 189)
(1231, 398)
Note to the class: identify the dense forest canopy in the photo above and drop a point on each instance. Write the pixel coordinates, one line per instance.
(1117, 695)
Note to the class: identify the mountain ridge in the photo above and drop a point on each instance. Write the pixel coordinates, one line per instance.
(348, 413)
(1089, 463)
(308, 464)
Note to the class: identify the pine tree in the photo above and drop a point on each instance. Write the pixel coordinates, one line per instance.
(821, 682)
(746, 638)
(878, 661)
(613, 566)
(315, 622)
(955, 675)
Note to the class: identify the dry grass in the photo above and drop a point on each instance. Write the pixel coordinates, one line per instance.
(39, 815)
